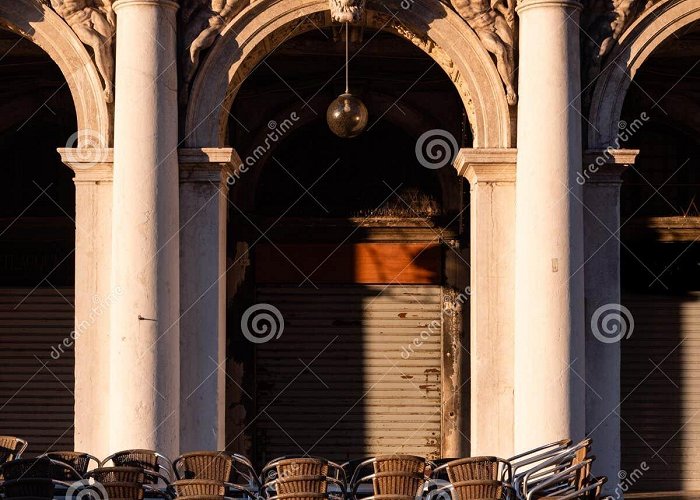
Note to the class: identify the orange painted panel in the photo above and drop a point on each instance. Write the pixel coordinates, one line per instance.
(362, 263)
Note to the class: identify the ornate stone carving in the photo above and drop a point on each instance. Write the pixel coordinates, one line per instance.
(347, 11)
(494, 23)
(603, 23)
(202, 22)
(393, 25)
(94, 22)
(624, 13)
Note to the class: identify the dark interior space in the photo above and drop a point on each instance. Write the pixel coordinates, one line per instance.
(660, 215)
(37, 246)
(348, 238)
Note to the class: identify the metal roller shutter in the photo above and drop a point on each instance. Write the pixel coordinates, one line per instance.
(661, 393)
(365, 391)
(36, 390)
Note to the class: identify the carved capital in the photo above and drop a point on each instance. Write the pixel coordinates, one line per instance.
(563, 4)
(606, 166)
(481, 166)
(169, 4)
(208, 165)
(90, 165)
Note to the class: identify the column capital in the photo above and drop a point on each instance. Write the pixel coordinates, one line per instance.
(171, 4)
(564, 4)
(214, 165)
(606, 166)
(89, 164)
(482, 165)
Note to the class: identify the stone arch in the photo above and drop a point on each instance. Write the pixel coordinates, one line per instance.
(641, 39)
(429, 24)
(41, 25)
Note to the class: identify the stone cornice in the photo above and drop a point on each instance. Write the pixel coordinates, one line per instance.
(89, 164)
(486, 165)
(606, 166)
(207, 164)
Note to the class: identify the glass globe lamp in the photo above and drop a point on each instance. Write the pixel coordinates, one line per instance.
(347, 116)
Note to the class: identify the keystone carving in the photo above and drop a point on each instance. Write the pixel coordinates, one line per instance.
(347, 11)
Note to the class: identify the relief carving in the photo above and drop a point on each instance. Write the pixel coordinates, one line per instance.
(603, 23)
(347, 11)
(624, 13)
(94, 22)
(494, 23)
(202, 22)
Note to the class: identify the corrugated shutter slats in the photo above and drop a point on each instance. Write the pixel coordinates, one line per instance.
(661, 392)
(361, 396)
(36, 390)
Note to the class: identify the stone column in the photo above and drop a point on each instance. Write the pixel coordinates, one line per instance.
(145, 338)
(93, 295)
(491, 176)
(549, 310)
(203, 210)
(601, 179)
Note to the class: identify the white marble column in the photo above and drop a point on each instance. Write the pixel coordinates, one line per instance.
(601, 180)
(549, 309)
(203, 216)
(93, 295)
(491, 176)
(145, 338)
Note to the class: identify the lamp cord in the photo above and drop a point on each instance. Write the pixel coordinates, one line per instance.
(347, 58)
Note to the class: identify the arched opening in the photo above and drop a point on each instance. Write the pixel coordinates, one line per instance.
(432, 26)
(357, 243)
(37, 245)
(660, 264)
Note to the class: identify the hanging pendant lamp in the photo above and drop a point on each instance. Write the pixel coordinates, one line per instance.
(347, 115)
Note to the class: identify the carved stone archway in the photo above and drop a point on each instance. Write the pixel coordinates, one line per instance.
(429, 24)
(40, 24)
(639, 41)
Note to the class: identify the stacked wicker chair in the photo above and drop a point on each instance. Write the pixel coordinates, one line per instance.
(395, 477)
(78, 461)
(476, 477)
(35, 478)
(11, 448)
(29, 488)
(556, 471)
(213, 473)
(156, 467)
(303, 478)
(134, 472)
